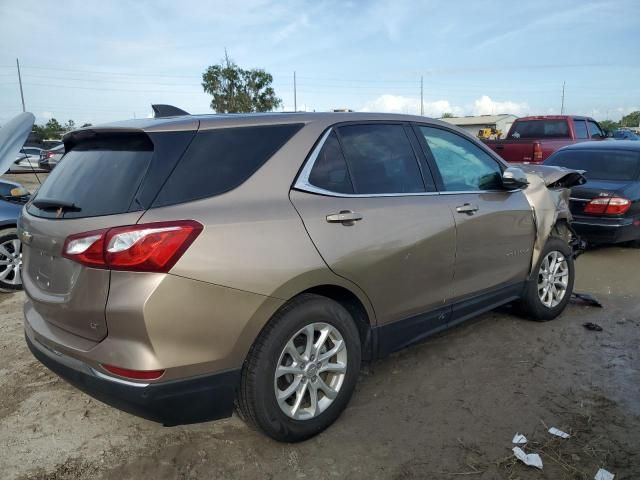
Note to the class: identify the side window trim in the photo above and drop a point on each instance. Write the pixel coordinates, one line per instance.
(302, 182)
(434, 167)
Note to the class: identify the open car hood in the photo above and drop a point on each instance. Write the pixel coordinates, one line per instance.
(13, 134)
(548, 194)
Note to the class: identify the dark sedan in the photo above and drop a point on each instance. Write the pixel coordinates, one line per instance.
(12, 197)
(606, 209)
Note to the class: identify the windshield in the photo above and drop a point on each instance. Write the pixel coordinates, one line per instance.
(612, 165)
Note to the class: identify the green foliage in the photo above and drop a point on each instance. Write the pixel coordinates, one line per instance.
(237, 90)
(447, 115)
(631, 120)
(609, 125)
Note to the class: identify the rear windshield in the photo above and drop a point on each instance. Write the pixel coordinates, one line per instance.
(97, 178)
(614, 165)
(540, 129)
(219, 160)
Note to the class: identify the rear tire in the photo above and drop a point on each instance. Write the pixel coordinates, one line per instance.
(323, 371)
(10, 260)
(549, 289)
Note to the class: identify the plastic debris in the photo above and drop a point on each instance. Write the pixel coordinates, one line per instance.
(558, 433)
(602, 474)
(586, 299)
(594, 327)
(530, 459)
(519, 439)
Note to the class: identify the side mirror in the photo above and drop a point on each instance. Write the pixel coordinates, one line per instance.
(514, 178)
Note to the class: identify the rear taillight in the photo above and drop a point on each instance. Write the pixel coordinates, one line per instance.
(150, 247)
(607, 206)
(537, 152)
(48, 155)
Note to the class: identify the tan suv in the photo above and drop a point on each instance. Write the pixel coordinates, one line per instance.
(178, 267)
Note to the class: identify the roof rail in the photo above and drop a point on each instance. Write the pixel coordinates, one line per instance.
(160, 110)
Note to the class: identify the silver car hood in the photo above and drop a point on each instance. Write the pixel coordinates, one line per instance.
(13, 134)
(548, 194)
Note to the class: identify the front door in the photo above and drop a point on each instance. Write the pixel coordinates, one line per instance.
(495, 228)
(371, 210)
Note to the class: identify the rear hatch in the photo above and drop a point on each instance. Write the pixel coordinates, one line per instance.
(108, 178)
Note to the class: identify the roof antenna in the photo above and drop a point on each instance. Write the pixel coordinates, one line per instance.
(160, 111)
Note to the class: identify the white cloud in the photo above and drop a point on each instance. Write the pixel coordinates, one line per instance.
(486, 106)
(481, 106)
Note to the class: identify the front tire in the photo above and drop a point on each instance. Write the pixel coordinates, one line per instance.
(549, 289)
(302, 370)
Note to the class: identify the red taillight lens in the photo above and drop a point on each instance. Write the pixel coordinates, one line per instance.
(537, 152)
(607, 206)
(134, 374)
(150, 247)
(48, 155)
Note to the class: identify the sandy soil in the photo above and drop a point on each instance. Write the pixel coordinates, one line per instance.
(447, 408)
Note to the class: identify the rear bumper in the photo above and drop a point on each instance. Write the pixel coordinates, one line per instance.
(177, 402)
(606, 230)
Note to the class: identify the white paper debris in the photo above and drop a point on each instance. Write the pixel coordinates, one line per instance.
(603, 475)
(558, 433)
(531, 459)
(519, 439)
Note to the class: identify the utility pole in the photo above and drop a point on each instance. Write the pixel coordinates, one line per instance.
(295, 93)
(20, 82)
(562, 105)
(421, 95)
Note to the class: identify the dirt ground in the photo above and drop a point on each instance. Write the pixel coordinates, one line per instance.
(444, 409)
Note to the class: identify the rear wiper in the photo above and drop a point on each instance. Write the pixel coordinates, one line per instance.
(53, 204)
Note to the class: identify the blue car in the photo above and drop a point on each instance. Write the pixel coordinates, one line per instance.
(13, 134)
(606, 209)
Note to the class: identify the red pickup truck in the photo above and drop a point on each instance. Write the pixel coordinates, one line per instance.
(533, 139)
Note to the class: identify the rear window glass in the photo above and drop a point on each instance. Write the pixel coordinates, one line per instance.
(540, 129)
(219, 160)
(98, 178)
(330, 169)
(614, 165)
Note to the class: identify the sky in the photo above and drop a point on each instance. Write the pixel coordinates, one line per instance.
(99, 61)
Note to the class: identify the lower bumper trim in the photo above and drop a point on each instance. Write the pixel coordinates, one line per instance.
(177, 402)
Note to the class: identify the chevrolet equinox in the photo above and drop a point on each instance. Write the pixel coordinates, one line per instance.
(180, 267)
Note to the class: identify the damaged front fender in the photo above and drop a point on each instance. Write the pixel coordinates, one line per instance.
(548, 194)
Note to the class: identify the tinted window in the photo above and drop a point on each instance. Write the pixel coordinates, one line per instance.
(380, 159)
(581, 129)
(594, 129)
(463, 166)
(540, 129)
(330, 169)
(101, 178)
(600, 165)
(219, 160)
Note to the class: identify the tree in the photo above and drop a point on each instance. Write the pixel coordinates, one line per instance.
(631, 120)
(70, 125)
(447, 115)
(609, 125)
(237, 90)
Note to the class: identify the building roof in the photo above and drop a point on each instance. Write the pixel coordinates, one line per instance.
(477, 120)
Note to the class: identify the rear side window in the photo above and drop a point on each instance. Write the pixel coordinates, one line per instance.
(581, 129)
(594, 129)
(220, 160)
(330, 170)
(613, 165)
(380, 159)
(100, 177)
(540, 129)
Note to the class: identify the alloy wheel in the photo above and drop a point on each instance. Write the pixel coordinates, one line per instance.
(553, 279)
(310, 371)
(11, 262)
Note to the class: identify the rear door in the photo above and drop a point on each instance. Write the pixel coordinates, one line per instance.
(371, 209)
(495, 228)
(106, 180)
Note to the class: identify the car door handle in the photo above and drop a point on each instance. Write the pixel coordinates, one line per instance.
(467, 208)
(346, 217)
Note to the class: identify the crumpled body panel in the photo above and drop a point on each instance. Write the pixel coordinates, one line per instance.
(548, 194)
